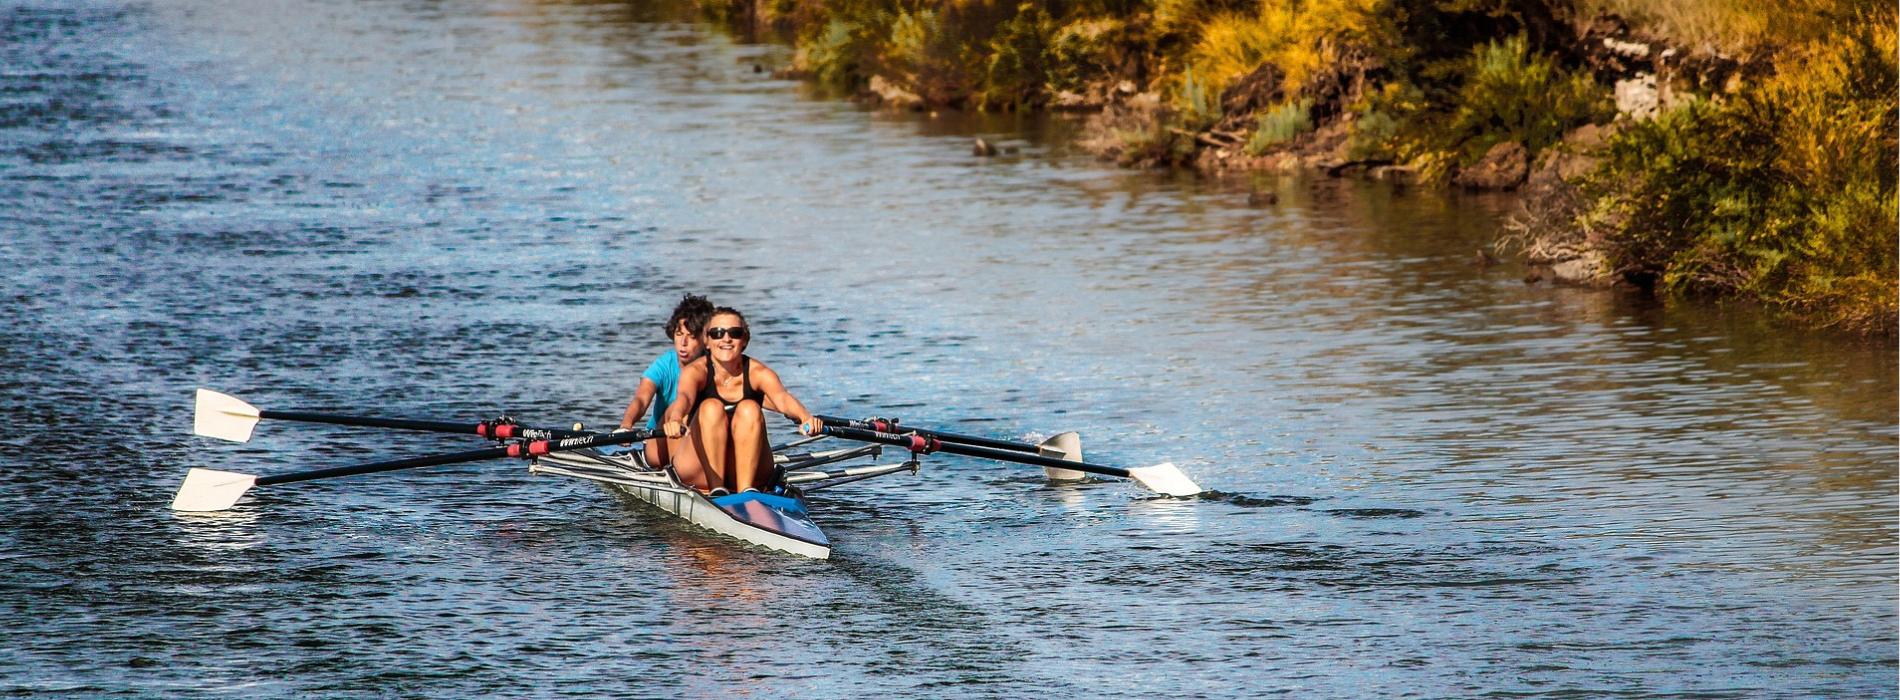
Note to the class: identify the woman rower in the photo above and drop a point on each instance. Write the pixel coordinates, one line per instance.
(659, 384)
(725, 397)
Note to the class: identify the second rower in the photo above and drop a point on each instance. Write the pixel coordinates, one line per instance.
(659, 384)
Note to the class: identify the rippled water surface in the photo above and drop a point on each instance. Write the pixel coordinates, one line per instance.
(1429, 479)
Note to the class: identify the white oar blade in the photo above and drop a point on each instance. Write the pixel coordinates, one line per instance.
(210, 489)
(224, 417)
(1167, 479)
(1065, 446)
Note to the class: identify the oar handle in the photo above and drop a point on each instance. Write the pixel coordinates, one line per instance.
(890, 425)
(924, 444)
(523, 450)
(499, 430)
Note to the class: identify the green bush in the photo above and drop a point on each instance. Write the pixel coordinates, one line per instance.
(1017, 69)
(1672, 195)
(1511, 94)
(1503, 92)
(1785, 193)
(1081, 52)
(847, 46)
(834, 53)
(1280, 125)
(1198, 106)
(929, 57)
(1372, 137)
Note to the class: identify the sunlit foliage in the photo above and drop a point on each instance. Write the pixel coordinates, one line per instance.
(1779, 185)
(1785, 193)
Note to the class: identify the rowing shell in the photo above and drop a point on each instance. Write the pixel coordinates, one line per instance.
(780, 521)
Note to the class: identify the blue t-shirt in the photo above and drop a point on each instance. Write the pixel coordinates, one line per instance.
(665, 374)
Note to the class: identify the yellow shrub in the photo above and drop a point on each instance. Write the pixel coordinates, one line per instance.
(1833, 113)
(1300, 38)
(1232, 46)
(1179, 16)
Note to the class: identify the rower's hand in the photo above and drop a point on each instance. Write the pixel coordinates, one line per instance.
(673, 429)
(811, 426)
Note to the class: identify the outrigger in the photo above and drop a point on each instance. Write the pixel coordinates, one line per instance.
(779, 519)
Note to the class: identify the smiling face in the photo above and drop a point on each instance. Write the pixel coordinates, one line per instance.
(726, 336)
(687, 343)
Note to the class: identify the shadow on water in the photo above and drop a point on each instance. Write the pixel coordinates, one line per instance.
(1252, 501)
(1375, 512)
(1290, 566)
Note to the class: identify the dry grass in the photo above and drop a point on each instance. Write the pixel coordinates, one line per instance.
(1734, 26)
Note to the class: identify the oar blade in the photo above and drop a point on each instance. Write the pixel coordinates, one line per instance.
(1165, 478)
(1064, 446)
(224, 417)
(210, 489)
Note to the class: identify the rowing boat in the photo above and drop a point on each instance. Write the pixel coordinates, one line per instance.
(779, 520)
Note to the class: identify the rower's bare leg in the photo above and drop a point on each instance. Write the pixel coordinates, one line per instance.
(656, 452)
(710, 438)
(686, 463)
(748, 443)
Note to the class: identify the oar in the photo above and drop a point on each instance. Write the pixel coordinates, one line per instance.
(226, 417)
(1065, 446)
(891, 425)
(210, 489)
(1162, 478)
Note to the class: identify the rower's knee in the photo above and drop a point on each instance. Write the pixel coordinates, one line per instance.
(747, 417)
(712, 418)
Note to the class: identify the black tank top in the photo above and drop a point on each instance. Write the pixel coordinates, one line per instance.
(745, 381)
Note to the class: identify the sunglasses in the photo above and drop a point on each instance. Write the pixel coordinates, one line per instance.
(735, 333)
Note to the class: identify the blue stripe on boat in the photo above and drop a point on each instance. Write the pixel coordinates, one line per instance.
(775, 513)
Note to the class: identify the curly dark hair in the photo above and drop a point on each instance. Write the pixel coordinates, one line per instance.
(693, 310)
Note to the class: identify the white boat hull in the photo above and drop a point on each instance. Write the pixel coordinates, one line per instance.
(775, 522)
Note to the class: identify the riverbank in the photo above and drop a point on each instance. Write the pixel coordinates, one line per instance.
(1744, 149)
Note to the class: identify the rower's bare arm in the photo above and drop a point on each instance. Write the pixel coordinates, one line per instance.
(642, 399)
(692, 380)
(780, 399)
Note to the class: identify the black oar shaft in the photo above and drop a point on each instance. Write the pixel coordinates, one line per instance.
(891, 426)
(369, 422)
(392, 465)
(924, 444)
(521, 449)
(483, 429)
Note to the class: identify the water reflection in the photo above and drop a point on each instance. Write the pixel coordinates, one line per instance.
(721, 579)
(218, 532)
(1167, 516)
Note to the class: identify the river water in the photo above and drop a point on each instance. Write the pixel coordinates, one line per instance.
(1428, 478)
